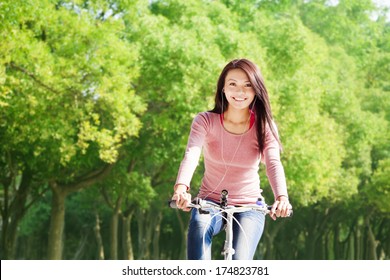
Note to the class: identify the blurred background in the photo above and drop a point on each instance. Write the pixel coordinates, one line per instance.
(97, 98)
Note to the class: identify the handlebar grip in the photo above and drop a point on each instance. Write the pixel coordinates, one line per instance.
(290, 212)
(172, 204)
(195, 201)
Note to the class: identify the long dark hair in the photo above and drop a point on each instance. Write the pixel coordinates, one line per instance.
(261, 106)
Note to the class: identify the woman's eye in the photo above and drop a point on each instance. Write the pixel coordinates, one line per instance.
(232, 84)
(248, 85)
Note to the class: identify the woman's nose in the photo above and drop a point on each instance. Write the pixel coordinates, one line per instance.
(241, 90)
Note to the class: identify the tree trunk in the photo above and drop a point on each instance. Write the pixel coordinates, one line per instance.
(127, 243)
(311, 243)
(60, 192)
(114, 236)
(12, 214)
(142, 240)
(80, 248)
(371, 242)
(336, 242)
(114, 228)
(270, 236)
(156, 236)
(351, 247)
(99, 239)
(326, 247)
(57, 222)
(357, 243)
(146, 226)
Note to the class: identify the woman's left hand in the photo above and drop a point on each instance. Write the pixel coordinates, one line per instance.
(280, 208)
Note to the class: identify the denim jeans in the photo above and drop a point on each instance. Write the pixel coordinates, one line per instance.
(245, 238)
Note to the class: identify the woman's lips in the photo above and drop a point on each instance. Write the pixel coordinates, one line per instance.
(238, 99)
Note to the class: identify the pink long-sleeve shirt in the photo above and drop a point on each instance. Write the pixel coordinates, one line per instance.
(231, 161)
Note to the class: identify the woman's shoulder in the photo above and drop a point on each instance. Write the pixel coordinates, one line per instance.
(207, 116)
(206, 119)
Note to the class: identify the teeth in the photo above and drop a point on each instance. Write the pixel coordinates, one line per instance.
(239, 99)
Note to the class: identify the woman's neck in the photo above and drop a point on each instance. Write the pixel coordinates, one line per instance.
(236, 116)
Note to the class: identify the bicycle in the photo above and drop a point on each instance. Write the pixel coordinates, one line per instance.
(228, 211)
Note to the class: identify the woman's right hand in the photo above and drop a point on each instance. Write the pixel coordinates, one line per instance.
(182, 197)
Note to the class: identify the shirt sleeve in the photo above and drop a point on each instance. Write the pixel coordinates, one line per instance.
(199, 128)
(274, 167)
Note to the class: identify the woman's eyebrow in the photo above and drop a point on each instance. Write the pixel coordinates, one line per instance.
(245, 81)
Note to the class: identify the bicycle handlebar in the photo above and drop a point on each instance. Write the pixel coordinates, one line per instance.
(202, 205)
(195, 203)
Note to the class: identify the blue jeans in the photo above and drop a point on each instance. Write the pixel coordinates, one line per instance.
(245, 239)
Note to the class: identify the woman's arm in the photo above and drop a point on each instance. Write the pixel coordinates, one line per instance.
(190, 161)
(276, 176)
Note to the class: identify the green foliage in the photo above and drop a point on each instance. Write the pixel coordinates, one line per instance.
(36, 219)
(66, 88)
(67, 92)
(131, 187)
(379, 188)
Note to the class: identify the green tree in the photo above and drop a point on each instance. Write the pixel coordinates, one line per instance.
(67, 97)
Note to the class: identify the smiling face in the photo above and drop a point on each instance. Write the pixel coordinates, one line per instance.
(238, 89)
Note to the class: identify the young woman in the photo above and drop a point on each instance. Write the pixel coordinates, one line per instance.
(235, 136)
